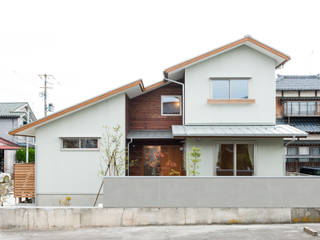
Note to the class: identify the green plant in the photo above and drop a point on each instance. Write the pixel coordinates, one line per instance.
(194, 160)
(21, 155)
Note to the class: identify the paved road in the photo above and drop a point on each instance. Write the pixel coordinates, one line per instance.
(223, 232)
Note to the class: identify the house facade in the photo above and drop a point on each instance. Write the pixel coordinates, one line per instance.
(221, 102)
(12, 115)
(298, 104)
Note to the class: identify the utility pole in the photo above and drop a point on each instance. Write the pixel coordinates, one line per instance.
(45, 78)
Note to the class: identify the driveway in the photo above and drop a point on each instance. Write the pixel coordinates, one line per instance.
(284, 231)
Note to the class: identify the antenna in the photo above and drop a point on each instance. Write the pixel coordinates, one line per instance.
(45, 77)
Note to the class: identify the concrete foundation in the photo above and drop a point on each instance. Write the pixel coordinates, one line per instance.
(36, 218)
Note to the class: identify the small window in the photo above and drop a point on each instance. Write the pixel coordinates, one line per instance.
(171, 105)
(79, 143)
(315, 151)
(303, 150)
(291, 151)
(230, 89)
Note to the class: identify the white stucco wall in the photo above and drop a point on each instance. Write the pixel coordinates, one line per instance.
(268, 155)
(74, 172)
(239, 62)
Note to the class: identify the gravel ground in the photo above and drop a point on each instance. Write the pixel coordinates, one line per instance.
(223, 232)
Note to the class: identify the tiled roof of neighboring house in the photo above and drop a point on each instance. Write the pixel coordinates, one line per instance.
(8, 109)
(298, 82)
(310, 125)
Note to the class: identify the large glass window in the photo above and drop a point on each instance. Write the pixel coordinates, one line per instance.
(171, 105)
(230, 89)
(80, 143)
(235, 159)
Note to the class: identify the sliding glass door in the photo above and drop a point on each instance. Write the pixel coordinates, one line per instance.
(235, 160)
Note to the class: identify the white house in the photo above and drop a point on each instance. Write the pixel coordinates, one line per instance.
(222, 101)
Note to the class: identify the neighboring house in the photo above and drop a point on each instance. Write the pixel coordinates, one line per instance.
(298, 104)
(222, 102)
(12, 115)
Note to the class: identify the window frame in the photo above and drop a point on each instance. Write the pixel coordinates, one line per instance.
(235, 143)
(79, 141)
(229, 88)
(174, 114)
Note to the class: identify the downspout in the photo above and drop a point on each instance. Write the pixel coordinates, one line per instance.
(183, 101)
(128, 155)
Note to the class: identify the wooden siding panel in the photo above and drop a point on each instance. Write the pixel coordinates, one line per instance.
(24, 180)
(279, 108)
(145, 110)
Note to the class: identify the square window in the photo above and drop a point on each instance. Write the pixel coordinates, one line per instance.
(303, 150)
(292, 151)
(170, 105)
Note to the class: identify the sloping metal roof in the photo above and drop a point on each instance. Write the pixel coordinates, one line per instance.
(310, 125)
(298, 82)
(8, 109)
(150, 134)
(237, 131)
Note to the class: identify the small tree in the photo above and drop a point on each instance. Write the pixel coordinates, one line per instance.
(194, 160)
(113, 155)
(21, 155)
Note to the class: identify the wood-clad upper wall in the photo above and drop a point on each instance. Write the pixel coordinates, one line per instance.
(145, 111)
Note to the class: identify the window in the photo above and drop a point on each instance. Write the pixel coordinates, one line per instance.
(171, 105)
(315, 151)
(300, 108)
(235, 159)
(292, 151)
(79, 143)
(303, 150)
(230, 89)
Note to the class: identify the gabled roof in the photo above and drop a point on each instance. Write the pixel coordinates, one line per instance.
(298, 82)
(9, 109)
(280, 57)
(132, 89)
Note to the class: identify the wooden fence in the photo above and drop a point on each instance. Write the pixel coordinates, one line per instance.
(24, 180)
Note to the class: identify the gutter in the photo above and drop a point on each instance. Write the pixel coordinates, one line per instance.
(183, 99)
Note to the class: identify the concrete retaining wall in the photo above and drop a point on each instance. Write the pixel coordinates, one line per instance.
(212, 192)
(66, 218)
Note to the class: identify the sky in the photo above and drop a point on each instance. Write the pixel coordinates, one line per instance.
(91, 47)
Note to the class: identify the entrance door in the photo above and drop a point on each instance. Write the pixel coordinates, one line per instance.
(162, 160)
(1, 160)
